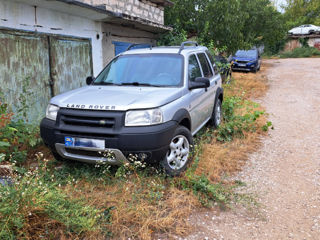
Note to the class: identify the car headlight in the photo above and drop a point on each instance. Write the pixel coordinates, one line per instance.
(143, 117)
(52, 111)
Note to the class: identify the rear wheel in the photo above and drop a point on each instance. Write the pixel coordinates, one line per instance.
(178, 156)
(216, 114)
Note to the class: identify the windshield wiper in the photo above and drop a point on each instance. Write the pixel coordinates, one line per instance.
(107, 83)
(139, 84)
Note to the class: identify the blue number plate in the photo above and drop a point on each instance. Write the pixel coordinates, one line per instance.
(84, 142)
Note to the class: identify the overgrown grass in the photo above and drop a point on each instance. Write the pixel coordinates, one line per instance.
(302, 52)
(76, 201)
(36, 206)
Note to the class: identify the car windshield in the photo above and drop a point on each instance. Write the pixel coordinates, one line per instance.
(159, 70)
(245, 54)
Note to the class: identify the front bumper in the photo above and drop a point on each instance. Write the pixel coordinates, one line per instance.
(247, 67)
(149, 142)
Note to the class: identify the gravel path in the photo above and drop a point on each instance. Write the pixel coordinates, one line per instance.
(285, 173)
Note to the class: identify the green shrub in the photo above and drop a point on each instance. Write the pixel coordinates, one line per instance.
(301, 53)
(17, 135)
(37, 193)
(235, 125)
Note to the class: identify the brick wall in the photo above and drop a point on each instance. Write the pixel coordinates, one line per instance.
(136, 8)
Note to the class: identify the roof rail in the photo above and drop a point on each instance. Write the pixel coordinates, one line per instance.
(137, 44)
(185, 43)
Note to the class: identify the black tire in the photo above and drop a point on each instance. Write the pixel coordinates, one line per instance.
(216, 116)
(176, 155)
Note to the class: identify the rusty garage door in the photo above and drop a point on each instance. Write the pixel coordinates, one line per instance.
(45, 65)
(24, 61)
(70, 63)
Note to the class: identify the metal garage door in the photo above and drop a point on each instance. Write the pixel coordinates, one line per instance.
(120, 47)
(70, 63)
(24, 57)
(51, 64)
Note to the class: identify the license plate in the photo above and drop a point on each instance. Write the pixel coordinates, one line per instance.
(84, 142)
(242, 65)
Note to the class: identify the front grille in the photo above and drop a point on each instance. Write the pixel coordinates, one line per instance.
(89, 123)
(242, 62)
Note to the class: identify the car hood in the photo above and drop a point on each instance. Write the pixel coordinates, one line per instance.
(118, 98)
(244, 59)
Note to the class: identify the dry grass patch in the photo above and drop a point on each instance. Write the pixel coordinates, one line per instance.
(138, 206)
(249, 85)
(221, 159)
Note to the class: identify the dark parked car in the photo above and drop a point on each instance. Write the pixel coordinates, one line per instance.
(224, 67)
(246, 60)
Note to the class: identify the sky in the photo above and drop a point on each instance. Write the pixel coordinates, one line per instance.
(279, 3)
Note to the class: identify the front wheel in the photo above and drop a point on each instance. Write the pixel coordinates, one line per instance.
(178, 156)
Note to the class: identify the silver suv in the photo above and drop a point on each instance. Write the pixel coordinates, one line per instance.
(146, 104)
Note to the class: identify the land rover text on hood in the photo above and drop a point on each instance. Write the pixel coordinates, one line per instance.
(145, 105)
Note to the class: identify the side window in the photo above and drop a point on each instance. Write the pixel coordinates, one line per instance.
(207, 72)
(215, 69)
(193, 68)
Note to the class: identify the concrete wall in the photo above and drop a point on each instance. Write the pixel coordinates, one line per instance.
(26, 17)
(292, 44)
(313, 41)
(136, 8)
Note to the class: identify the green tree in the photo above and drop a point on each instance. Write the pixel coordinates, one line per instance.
(234, 24)
(299, 12)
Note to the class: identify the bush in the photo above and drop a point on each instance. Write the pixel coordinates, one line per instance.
(16, 136)
(301, 53)
(236, 124)
(35, 199)
(172, 38)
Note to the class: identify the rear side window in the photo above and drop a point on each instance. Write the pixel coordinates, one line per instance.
(193, 68)
(205, 65)
(212, 62)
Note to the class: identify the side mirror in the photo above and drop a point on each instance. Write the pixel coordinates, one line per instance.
(89, 80)
(200, 82)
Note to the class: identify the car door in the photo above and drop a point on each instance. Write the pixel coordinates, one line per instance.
(305, 29)
(216, 75)
(197, 96)
(211, 91)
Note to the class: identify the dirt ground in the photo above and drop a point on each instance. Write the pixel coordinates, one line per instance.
(284, 174)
